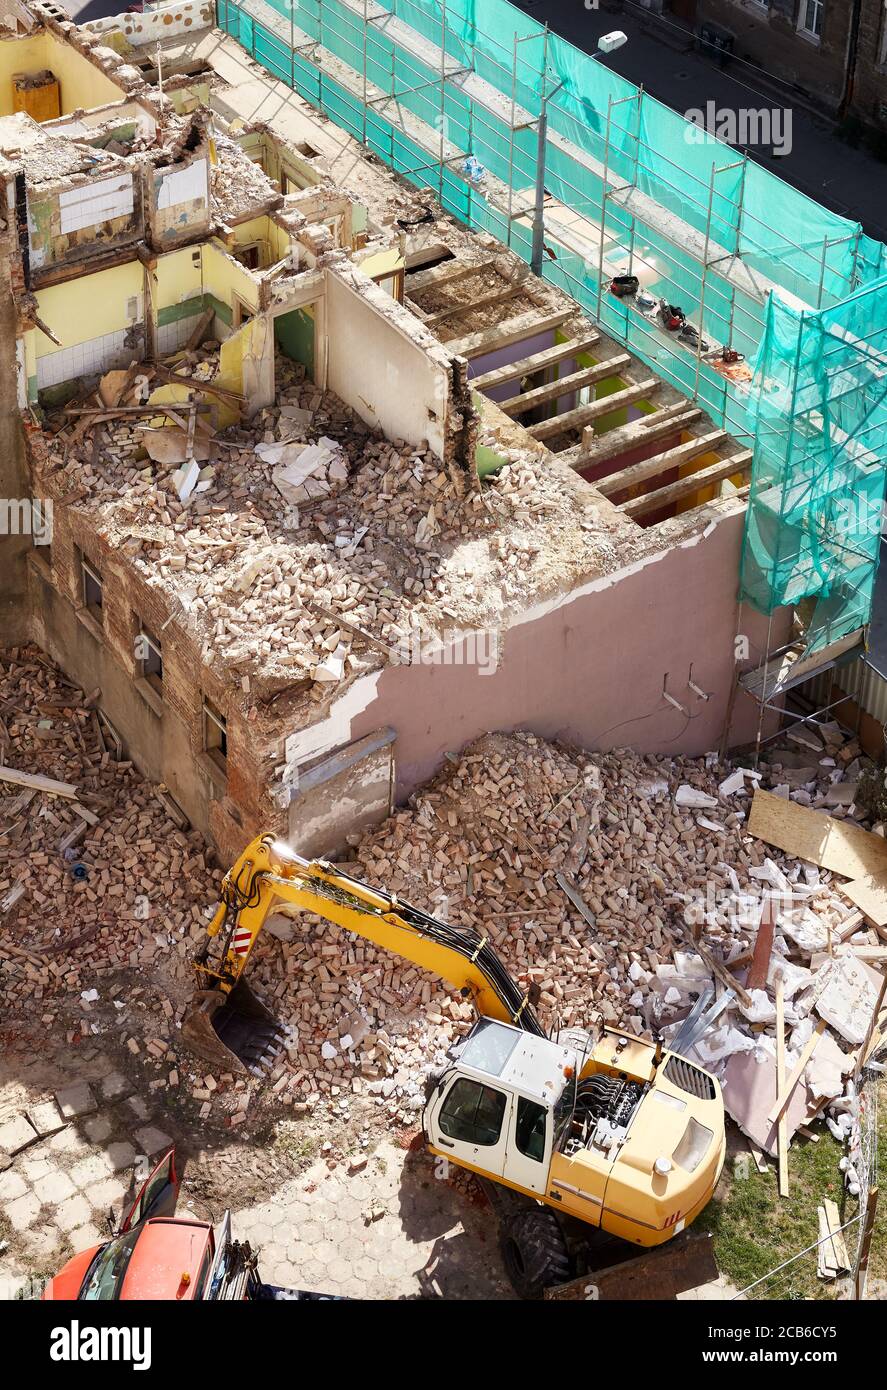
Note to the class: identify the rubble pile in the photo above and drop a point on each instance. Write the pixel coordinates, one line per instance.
(301, 513)
(622, 885)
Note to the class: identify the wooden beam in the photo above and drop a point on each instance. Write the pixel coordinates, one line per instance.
(536, 362)
(657, 425)
(782, 1124)
(505, 334)
(785, 1092)
(516, 405)
(685, 487)
(38, 782)
(660, 463)
(485, 301)
(448, 273)
(584, 414)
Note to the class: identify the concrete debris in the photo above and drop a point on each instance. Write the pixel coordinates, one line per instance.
(389, 540)
(493, 832)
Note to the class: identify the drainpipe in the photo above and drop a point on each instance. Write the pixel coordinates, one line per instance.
(850, 65)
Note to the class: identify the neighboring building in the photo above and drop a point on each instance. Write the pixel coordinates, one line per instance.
(834, 52)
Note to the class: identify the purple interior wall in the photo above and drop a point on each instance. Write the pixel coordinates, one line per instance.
(515, 353)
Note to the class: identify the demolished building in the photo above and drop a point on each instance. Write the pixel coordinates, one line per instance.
(273, 662)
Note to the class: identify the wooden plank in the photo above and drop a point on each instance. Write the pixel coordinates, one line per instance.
(838, 1244)
(760, 1160)
(868, 1230)
(506, 334)
(818, 839)
(782, 1126)
(826, 1255)
(84, 813)
(484, 301)
(198, 332)
(536, 362)
(760, 965)
(37, 781)
(448, 273)
(685, 487)
(585, 414)
(870, 896)
(660, 463)
(516, 405)
(784, 1095)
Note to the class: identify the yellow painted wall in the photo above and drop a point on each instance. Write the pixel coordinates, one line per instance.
(382, 263)
(224, 278)
(80, 310)
(82, 83)
(177, 278)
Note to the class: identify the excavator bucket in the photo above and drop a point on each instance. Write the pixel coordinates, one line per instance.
(235, 1031)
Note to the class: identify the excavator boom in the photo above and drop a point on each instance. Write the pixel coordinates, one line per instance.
(228, 1025)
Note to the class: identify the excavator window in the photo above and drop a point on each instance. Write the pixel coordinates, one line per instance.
(473, 1113)
(530, 1129)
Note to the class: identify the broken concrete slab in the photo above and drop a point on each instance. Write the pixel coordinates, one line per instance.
(750, 1091)
(46, 1118)
(76, 1100)
(115, 1086)
(17, 1134)
(151, 1140)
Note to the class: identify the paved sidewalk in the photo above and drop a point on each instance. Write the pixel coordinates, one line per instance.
(390, 1231)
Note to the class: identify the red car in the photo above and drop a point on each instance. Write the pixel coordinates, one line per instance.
(155, 1255)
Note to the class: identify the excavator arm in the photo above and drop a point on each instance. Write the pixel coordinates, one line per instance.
(268, 875)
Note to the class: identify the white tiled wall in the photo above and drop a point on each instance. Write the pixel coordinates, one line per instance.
(172, 336)
(86, 359)
(91, 203)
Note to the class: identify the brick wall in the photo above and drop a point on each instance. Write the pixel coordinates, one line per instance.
(164, 737)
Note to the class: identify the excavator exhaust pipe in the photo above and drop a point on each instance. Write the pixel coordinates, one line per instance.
(234, 1032)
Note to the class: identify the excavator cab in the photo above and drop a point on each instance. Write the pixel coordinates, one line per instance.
(625, 1137)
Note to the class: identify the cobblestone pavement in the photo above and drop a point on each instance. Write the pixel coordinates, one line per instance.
(390, 1231)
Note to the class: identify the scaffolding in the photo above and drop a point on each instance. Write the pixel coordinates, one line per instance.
(451, 94)
(478, 103)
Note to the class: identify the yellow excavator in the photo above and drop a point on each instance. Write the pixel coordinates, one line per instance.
(565, 1132)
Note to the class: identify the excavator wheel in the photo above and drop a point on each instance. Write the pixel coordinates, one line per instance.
(534, 1251)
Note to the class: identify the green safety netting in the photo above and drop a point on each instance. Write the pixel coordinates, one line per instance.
(468, 78)
(813, 525)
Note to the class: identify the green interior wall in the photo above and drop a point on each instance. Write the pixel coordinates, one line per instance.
(294, 335)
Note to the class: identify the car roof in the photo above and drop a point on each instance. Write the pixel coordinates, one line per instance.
(167, 1249)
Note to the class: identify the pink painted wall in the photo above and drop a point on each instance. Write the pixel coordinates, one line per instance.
(592, 669)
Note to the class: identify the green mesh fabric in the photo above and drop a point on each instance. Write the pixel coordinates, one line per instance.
(813, 525)
(615, 159)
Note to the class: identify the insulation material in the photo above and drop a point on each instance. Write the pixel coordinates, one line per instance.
(92, 203)
(827, 1068)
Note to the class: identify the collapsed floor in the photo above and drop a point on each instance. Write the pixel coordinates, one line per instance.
(301, 529)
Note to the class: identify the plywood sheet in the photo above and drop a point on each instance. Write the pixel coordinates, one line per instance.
(822, 840)
(870, 896)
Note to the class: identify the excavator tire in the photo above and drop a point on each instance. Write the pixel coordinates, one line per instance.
(534, 1251)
